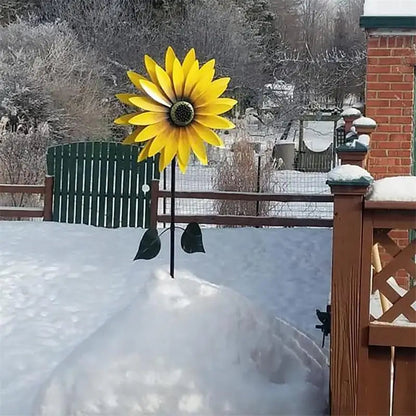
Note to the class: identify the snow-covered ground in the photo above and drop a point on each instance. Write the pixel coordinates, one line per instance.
(84, 330)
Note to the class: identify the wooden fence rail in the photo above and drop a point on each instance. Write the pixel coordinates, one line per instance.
(29, 212)
(237, 220)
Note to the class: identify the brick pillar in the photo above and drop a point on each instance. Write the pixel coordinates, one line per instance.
(390, 101)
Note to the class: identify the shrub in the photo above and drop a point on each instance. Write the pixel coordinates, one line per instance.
(240, 172)
(22, 161)
(48, 77)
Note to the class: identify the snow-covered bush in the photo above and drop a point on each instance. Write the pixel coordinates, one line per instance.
(48, 77)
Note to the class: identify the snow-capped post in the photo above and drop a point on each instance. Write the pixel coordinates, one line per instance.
(355, 149)
(348, 183)
(349, 115)
(177, 109)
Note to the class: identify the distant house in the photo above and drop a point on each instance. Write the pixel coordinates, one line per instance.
(390, 85)
(274, 94)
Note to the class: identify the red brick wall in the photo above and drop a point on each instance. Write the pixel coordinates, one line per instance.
(389, 101)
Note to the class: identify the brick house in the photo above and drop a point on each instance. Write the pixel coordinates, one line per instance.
(390, 85)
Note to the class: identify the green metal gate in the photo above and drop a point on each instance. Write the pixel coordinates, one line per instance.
(101, 184)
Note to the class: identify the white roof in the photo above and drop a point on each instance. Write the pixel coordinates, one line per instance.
(390, 8)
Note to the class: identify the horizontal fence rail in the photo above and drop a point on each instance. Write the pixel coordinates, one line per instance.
(237, 220)
(29, 212)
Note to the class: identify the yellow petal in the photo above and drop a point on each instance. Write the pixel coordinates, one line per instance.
(144, 154)
(165, 83)
(220, 101)
(191, 79)
(135, 79)
(178, 78)
(216, 88)
(159, 142)
(218, 106)
(161, 157)
(148, 104)
(206, 73)
(153, 91)
(197, 145)
(170, 150)
(169, 59)
(125, 97)
(150, 65)
(213, 122)
(206, 134)
(153, 130)
(188, 61)
(144, 119)
(124, 119)
(184, 149)
(131, 138)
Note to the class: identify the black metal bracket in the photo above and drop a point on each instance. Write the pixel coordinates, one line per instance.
(325, 318)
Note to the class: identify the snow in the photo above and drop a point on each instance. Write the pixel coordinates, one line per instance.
(351, 112)
(398, 188)
(364, 122)
(318, 135)
(364, 139)
(347, 173)
(184, 347)
(386, 8)
(84, 330)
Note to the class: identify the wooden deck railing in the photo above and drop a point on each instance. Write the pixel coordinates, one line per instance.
(240, 220)
(29, 212)
(373, 358)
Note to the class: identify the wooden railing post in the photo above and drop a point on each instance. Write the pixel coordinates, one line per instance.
(47, 212)
(154, 200)
(346, 336)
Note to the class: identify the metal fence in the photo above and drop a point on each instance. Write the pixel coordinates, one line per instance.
(202, 178)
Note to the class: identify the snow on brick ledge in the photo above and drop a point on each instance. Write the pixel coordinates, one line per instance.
(348, 173)
(351, 112)
(385, 8)
(398, 188)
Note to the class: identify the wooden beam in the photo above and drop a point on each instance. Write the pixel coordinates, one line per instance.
(249, 221)
(402, 205)
(22, 189)
(392, 335)
(48, 199)
(247, 196)
(21, 212)
(404, 399)
(346, 336)
(401, 219)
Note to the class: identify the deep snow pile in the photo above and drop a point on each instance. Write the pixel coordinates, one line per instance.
(59, 283)
(186, 346)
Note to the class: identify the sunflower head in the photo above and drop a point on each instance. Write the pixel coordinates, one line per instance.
(178, 107)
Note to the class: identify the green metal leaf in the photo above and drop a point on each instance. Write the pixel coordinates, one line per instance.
(149, 246)
(191, 240)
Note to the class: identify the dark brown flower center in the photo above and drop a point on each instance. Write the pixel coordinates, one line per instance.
(182, 113)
